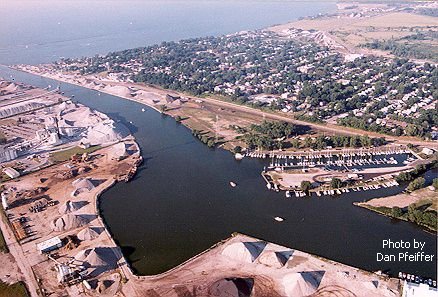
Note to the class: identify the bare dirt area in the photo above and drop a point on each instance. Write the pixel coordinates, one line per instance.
(243, 263)
(9, 271)
(47, 205)
(403, 200)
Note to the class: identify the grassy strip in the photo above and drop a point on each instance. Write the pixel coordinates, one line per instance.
(65, 155)
(3, 245)
(423, 218)
(15, 290)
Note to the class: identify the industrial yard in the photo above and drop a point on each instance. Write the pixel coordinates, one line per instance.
(52, 212)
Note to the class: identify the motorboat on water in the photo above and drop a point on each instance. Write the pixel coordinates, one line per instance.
(233, 184)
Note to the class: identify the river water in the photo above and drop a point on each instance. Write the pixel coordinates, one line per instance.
(181, 203)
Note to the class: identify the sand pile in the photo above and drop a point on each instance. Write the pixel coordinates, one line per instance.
(69, 207)
(105, 132)
(68, 222)
(118, 90)
(275, 259)
(118, 151)
(82, 185)
(232, 287)
(12, 87)
(244, 251)
(97, 260)
(82, 255)
(82, 116)
(88, 234)
(302, 283)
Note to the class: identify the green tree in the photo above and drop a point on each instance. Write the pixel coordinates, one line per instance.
(336, 183)
(237, 149)
(306, 186)
(396, 212)
(435, 183)
(416, 184)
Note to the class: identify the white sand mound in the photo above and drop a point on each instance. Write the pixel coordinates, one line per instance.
(105, 132)
(275, 259)
(237, 251)
(244, 251)
(82, 255)
(302, 283)
(95, 258)
(82, 185)
(69, 207)
(118, 151)
(83, 116)
(88, 234)
(68, 222)
(118, 90)
(12, 87)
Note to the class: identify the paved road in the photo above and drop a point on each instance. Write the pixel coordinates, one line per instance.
(17, 252)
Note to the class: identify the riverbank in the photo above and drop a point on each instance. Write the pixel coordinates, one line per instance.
(218, 118)
(419, 207)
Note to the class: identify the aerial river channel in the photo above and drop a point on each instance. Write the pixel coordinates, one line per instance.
(180, 203)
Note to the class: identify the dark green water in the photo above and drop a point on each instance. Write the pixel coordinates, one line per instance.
(180, 203)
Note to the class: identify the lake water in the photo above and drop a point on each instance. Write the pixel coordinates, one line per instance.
(38, 31)
(181, 203)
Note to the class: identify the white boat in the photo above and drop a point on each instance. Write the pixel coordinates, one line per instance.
(238, 156)
(143, 110)
(269, 186)
(233, 184)
(287, 194)
(279, 219)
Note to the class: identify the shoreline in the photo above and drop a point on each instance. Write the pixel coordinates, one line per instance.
(275, 116)
(200, 262)
(425, 228)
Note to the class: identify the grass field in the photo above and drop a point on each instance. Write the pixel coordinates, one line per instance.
(15, 290)
(62, 156)
(3, 245)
